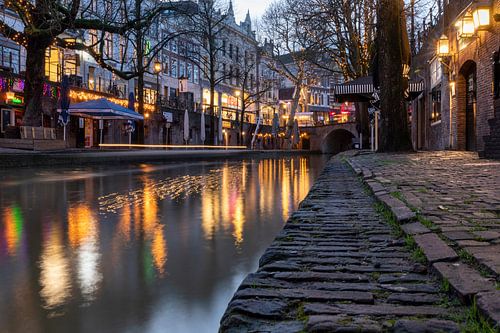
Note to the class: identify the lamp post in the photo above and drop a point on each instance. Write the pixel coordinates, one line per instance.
(157, 69)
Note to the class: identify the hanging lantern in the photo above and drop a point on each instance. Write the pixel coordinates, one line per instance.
(481, 16)
(465, 26)
(443, 47)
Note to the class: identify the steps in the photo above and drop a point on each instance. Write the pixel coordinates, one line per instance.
(30, 144)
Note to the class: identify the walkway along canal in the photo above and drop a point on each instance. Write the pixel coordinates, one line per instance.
(339, 266)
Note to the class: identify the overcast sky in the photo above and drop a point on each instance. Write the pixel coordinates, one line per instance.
(257, 8)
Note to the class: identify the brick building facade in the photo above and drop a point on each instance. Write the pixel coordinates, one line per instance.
(457, 106)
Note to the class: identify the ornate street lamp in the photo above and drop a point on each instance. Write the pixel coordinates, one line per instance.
(157, 69)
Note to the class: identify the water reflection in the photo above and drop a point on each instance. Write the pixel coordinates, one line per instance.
(146, 245)
(13, 224)
(55, 277)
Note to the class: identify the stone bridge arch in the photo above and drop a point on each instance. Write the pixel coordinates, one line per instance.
(330, 139)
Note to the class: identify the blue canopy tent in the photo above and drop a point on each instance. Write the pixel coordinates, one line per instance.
(103, 109)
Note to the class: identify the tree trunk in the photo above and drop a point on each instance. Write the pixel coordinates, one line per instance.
(293, 110)
(35, 76)
(394, 131)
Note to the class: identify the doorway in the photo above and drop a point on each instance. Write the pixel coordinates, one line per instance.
(470, 111)
(467, 106)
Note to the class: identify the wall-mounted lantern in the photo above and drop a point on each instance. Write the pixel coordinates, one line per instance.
(481, 14)
(443, 47)
(465, 26)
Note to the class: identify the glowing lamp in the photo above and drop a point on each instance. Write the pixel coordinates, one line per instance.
(466, 26)
(481, 17)
(452, 88)
(157, 67)
(443, 47)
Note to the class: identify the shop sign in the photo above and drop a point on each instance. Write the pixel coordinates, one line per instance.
(13, 99)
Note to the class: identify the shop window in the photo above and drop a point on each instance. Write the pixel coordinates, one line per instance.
(108, 46)
(436, 104)
(94, 41)
(436, 72)
(52, 64)
(189, 72)
(182, 69)
(196, 74)
(173, 68)
(10, 58)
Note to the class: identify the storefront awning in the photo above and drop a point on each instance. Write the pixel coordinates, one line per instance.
(103, 109)
(361, 90)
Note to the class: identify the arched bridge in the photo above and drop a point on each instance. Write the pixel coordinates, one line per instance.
(330, 139)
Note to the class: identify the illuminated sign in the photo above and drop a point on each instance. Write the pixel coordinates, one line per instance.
(11, 98)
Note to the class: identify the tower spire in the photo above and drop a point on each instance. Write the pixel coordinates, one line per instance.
(230, 10)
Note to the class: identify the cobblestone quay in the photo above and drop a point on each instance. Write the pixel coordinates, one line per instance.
(338, 266)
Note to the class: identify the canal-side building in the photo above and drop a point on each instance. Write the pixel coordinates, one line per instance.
(455, 59)
(316, 106)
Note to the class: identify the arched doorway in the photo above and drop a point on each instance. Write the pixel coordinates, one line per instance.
(469, 104)
(337, 141)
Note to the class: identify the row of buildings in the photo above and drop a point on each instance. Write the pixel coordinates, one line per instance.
(458, 60)
(175, 83)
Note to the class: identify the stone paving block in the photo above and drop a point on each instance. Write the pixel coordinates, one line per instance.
(425, 326)
(465, 280)
(487, 235)
(307, 295)
(489, 304)
(342, 323)
(414, 299)
(458, 235)
(467, 243)
(487, 255)
(373, 310)
(319, 276)
(415, 228)
(262, 308)
(434, 248)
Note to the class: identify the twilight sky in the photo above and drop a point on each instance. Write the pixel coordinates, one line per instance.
(257, 8)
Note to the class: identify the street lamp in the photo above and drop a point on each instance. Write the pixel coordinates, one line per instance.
(157, 70)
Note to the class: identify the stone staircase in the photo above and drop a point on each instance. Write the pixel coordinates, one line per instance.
(492, 141)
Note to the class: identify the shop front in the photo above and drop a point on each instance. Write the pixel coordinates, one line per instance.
(101, 121)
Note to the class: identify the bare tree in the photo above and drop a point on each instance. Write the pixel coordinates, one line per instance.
(293, 51)
(208, 27)
(250, 91)
(343, 30)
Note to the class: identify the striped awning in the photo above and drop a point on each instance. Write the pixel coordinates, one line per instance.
(364, 86)
(349, 89)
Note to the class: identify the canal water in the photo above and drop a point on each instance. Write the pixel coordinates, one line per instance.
(138, 248)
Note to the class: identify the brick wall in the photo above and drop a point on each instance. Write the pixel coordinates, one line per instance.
(478, 52)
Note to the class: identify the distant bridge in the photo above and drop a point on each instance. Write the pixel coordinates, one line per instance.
(330, 139)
